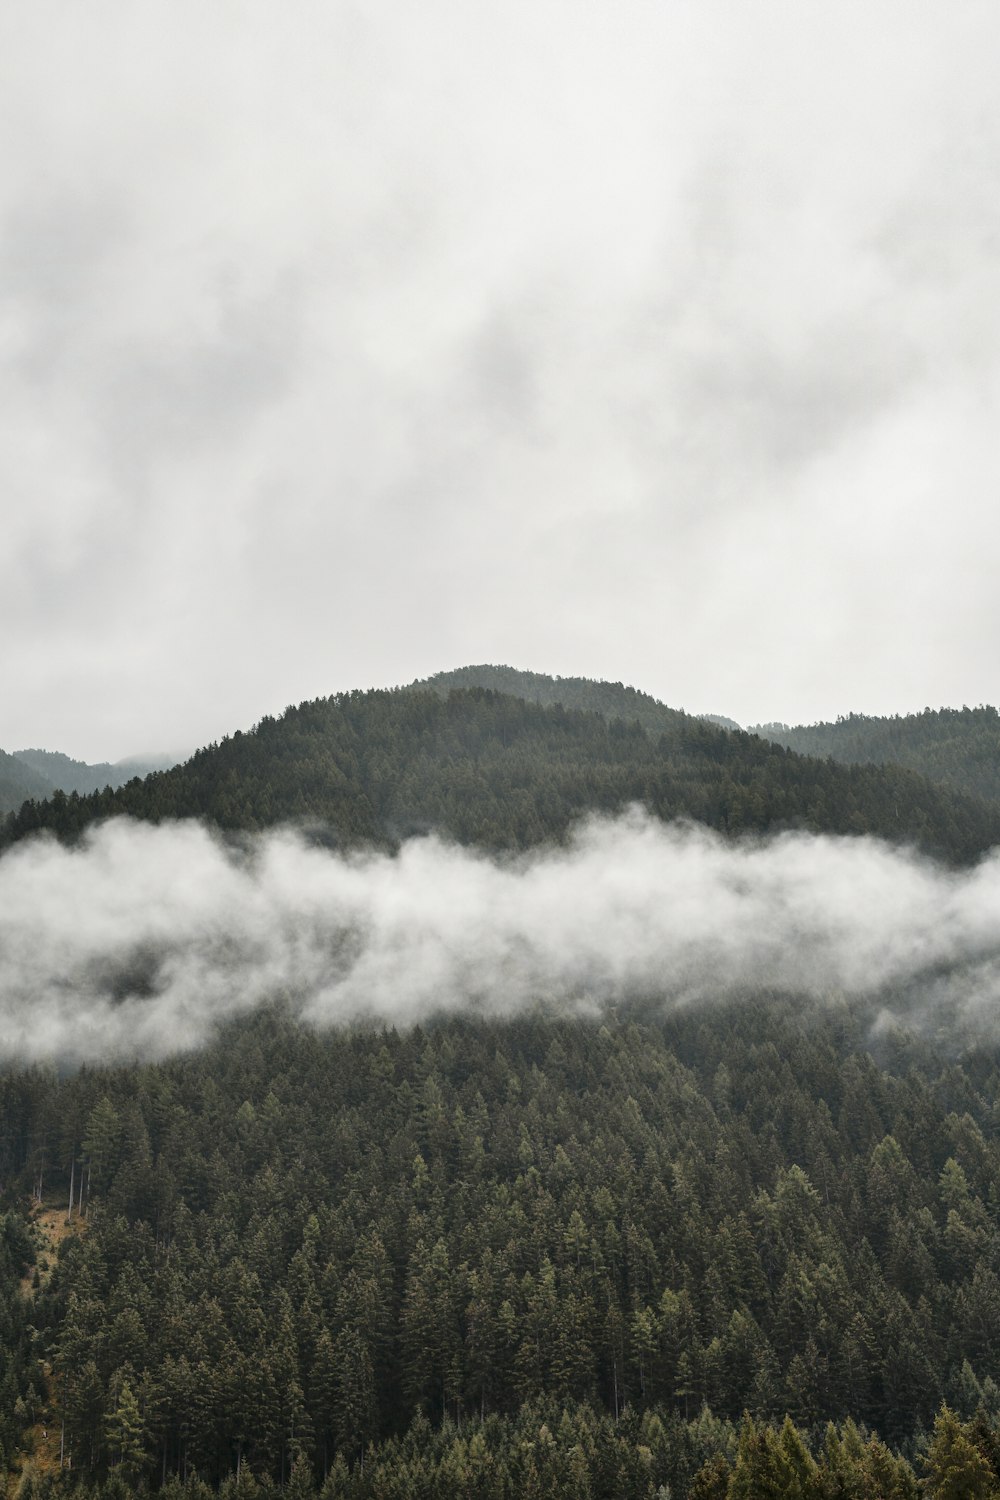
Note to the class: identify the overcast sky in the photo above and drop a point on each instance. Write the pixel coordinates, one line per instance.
(342, 343)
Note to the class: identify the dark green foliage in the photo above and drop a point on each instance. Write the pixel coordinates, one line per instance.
(538, 1257)
(612, 700)
(496, 771)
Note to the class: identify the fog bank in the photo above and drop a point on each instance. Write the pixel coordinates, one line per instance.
(142, 940)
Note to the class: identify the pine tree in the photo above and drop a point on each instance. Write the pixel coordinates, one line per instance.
(124, 1428)
(955, 1468)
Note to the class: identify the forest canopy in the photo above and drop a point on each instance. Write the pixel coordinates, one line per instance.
(500, 772)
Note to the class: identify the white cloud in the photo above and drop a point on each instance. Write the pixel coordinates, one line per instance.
(330, 332)
(142, 940)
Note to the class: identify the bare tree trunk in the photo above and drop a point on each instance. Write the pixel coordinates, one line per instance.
(72, 1175)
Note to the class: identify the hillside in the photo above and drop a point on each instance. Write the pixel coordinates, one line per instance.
(588, 695)
(18, 782)
(63, 773)
(495, 771)
(958, 748)
(613, 700)
(38, 774)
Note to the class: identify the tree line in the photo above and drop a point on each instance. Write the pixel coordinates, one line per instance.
(958, 748)
(499, 772)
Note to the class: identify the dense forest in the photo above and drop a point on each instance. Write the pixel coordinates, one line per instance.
(496, 771)
(613, 700)
(957, 747)
(533, 1258)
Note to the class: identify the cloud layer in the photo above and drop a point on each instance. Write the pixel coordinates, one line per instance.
(140, 942)
(328, 334)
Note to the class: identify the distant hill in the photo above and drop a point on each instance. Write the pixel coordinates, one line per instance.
(18, 782)
(610, 699)
(64, 774)
(145, 765)
(721, 720)
(38, 774)
(958, 748)
(494, 770)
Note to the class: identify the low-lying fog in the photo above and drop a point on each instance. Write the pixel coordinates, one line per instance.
(141, 940)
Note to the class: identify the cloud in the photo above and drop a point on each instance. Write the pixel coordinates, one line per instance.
(143, 940)
(673, 322)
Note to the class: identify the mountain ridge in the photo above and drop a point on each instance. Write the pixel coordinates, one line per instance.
(500, 772)
(956, 748)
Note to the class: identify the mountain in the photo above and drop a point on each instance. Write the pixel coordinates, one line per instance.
(64, 774)
(490, 769)
(38, 774)
(145, 765)
(722, 721)
(610, 699)
(502, 1255)
(18, 782)
(958, 748)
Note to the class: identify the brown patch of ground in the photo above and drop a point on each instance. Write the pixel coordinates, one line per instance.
(50, 1226)
(42, 1443)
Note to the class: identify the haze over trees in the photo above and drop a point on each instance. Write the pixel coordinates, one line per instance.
(18, 783)
(39, 773)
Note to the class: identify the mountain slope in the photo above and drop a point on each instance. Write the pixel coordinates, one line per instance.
(492, 770)
(64, 774)
(956, 747)
(18, 782)
(610, 699)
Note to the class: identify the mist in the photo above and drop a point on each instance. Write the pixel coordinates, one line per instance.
(141, 941)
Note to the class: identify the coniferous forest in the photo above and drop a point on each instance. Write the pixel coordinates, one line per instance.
(740, 1248)
(501, 772)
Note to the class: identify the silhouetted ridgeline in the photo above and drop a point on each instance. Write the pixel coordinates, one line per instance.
(493, 770)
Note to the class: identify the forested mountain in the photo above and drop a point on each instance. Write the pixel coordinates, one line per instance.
(726, 1251)
(37, 774)
(612, 700)
(957, 747)
(18, 782)
(533, 1258)
(493, 770)
(62, 773)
